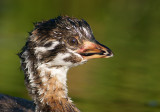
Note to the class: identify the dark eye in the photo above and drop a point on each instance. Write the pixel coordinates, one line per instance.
(72, 41)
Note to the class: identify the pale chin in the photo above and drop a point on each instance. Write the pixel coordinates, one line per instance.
(84, 61)
(80, 63)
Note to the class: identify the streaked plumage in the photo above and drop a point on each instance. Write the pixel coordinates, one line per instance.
(52, 48)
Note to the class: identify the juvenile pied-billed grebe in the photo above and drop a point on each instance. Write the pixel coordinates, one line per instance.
(52, 48)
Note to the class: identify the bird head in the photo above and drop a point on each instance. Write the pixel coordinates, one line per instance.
(64, 41)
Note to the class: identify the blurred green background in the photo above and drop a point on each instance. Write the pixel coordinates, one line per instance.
(128, 82)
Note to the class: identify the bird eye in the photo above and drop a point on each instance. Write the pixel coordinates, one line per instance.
(72, 41)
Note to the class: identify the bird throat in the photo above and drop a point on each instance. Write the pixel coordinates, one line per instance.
(48, 87)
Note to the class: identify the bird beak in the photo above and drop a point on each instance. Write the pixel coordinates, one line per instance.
(90, 50)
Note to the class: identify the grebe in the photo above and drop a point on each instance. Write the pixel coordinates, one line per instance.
(52, 48)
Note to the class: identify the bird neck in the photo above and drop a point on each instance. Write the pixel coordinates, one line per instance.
(52, 82)
(48, 88)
